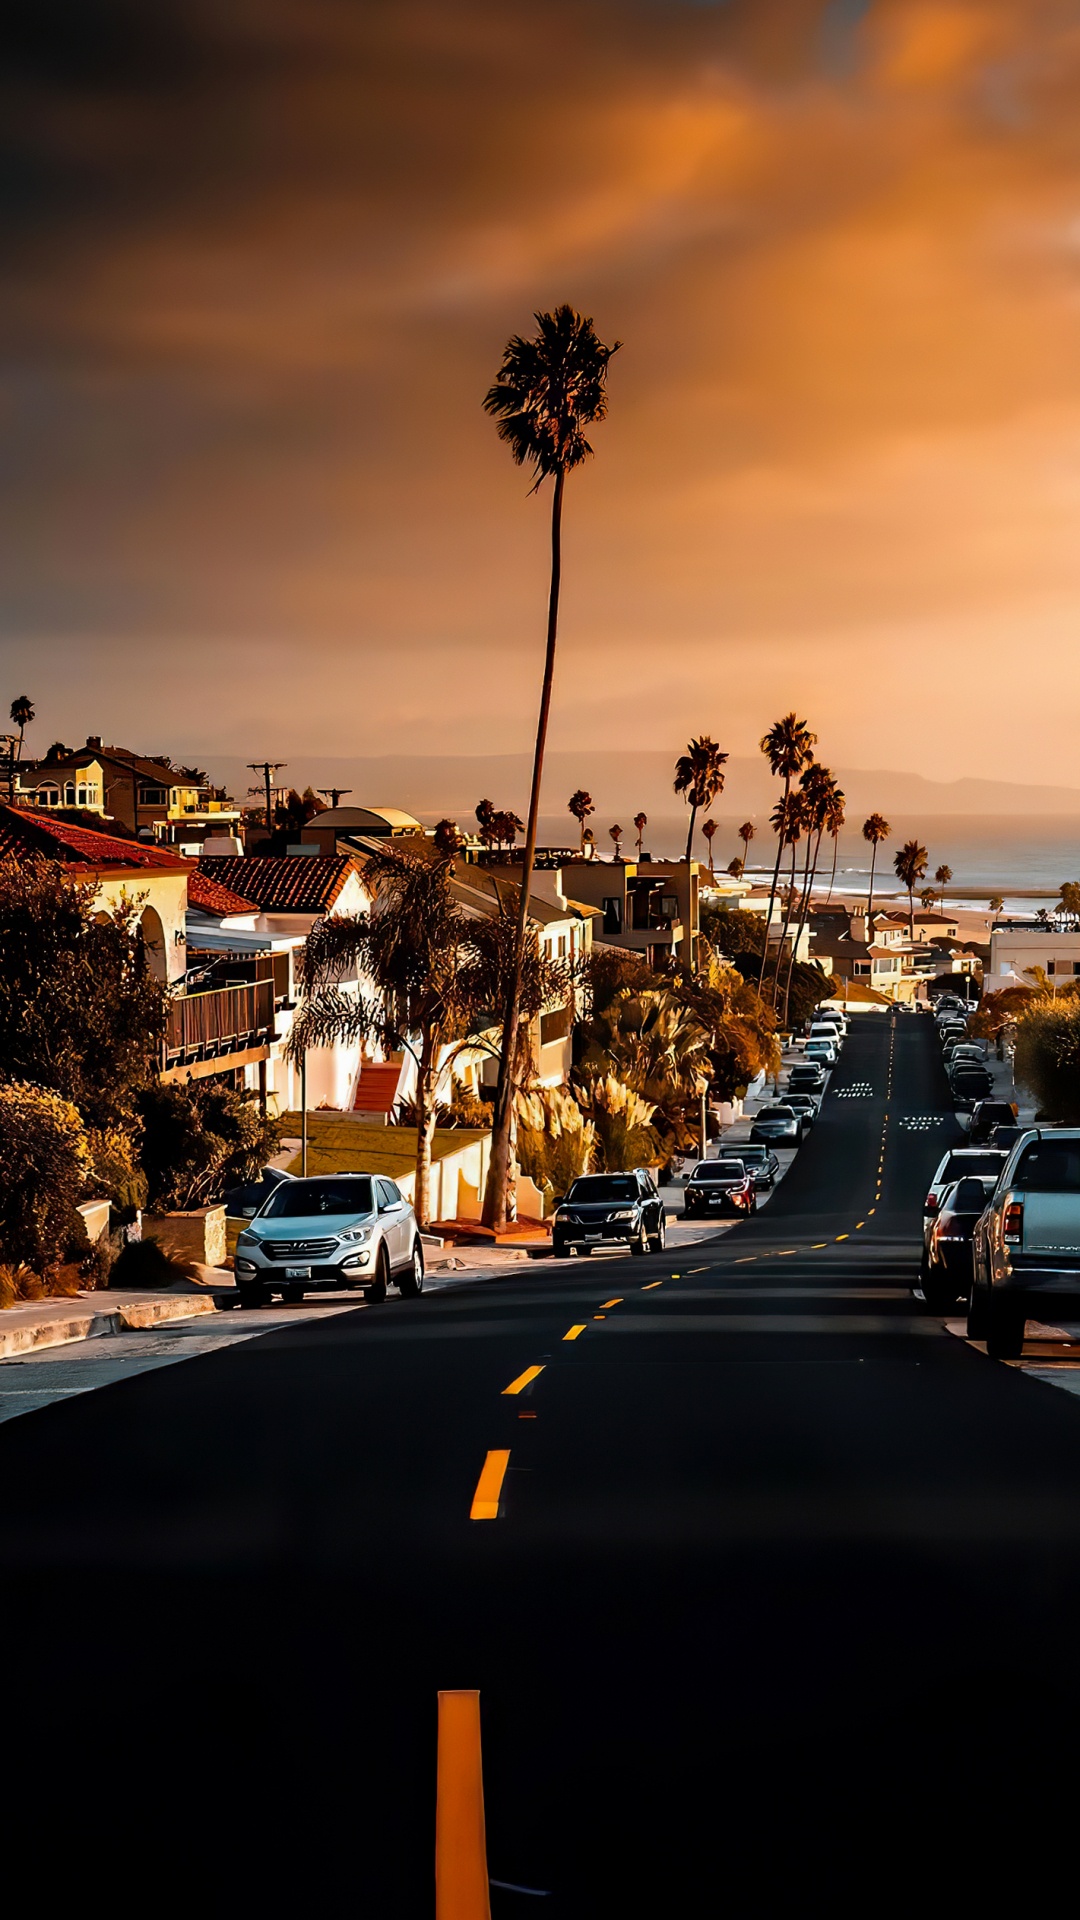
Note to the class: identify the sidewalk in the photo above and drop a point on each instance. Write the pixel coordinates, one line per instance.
(36, 1324)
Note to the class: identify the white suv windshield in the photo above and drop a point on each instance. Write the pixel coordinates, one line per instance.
(299, 1199)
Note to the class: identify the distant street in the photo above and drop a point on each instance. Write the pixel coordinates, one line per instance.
(780, 1606)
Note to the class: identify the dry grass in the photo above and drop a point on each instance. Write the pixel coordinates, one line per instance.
(19, 1283)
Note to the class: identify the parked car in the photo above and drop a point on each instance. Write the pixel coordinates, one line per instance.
(778, 1125)
(805, 1106)
(963, 1050)
(806, 1077)
(610, 1209)
(1005, 1137)
(985, 1116)
(825, 1052)
(946, 1270)
(337, 1230)
(243, 1202)
(719, 1186)
(1026, 1249)
(969, 1084)
(827, 1030)
(984, 1162)
(760, 1162)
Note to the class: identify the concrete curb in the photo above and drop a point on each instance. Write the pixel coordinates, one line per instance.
(33, 1332)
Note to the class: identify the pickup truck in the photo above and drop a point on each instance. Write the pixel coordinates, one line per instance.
(1026, 1246)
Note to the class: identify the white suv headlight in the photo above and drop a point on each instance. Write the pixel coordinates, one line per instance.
(355, 1234)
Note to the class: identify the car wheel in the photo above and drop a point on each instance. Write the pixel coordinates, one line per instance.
(558, 1247)
(640, 1246)
(660, 1237)
(292, 1296)
(376, 1292)
(978, 1311)
(251, 1293)
(411, 1282)
(1005, 1328)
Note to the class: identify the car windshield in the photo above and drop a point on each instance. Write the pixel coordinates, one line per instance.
(1050, 1166)
(959, 1164)
(720, 1170)
(603, 1186)
(778, 1113)
(300, 1199)
(751, 1154)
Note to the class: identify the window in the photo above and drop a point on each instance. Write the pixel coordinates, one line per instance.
(613, 914)
(669, 906)
(389, 1196)
(862, 966)
(48, 796)
(297, 1199)
(83, 796)
(153, 797)
(69, 793)
(1051, 1167)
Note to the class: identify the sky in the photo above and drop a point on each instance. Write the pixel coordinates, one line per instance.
(262, 257)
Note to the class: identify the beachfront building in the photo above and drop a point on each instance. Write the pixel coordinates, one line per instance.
(1016, 946)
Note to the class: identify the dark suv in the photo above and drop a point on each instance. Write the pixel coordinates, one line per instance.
(610, 1209)
(985, 1116)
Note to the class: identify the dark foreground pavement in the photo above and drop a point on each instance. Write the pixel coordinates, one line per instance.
(780, 1611)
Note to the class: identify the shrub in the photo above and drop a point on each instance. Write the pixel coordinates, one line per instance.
(1048, 1058)
(114, 1172)
(620, 1118)
(199, 1139)
(144, 1263)
(554, 1141)
(43, 1168)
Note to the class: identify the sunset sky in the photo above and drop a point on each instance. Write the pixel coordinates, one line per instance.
(261, 260)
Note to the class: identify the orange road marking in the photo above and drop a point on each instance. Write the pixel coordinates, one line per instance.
(485, 1505)
(523, 1379)
(612, 1303)
(656, 1283)
(574, 1332)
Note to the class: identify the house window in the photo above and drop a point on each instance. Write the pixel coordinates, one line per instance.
(613, 914)
(669, 906)
(153, 796)
(84, 795)
(863, 966)
(69, 794)
(48, 796)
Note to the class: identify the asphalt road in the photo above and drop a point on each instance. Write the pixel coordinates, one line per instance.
(779, 1610)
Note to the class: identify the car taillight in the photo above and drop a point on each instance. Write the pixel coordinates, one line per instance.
(1012, 1226)
(930, 1204)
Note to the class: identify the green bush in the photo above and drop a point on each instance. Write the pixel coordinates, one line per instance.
(1048, 1058)
(199, 1139)
(43, 1168)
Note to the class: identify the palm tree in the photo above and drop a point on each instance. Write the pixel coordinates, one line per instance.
(580, 804)
(22, 712)
(486, 817)
(874, 831)
(995, 902)
(835, 815)
(943, 875)
(699, 775)
(746, 834)
(787, 746)
(909, 865)
(616, 835)
(641, 821)
(790, 821)
(736, 868)
(548, 391)
(709, 830)
(820, 796)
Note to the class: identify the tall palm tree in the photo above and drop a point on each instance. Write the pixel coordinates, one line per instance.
(910, 865)
(22, 712)
(615, 833)
(641, 821)
(746, 834)
(787, 747)
(546, 395)
(835, 815)
(787, 819)
(709, 830)
(580, 804)
(699, 775)
(943, 875)
(874, 831)
(819, 797)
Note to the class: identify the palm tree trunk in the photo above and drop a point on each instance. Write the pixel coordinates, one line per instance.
(772, 893)
(809, 876)
(870, 898)
(426, 1111)
(784, 929)
(911, 914)
(690, 835)
(832, 876)
(498, 1180)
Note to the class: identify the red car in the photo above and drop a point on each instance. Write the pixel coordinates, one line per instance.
(719, 1186)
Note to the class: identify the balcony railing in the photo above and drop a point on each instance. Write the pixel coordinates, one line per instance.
(220, 1021)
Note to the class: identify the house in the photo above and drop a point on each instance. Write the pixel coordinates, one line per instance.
(268, 908)
(564, 931)
(149, 796)
(648, 906)
(1016, 946)
(342, 829)
(889, 963)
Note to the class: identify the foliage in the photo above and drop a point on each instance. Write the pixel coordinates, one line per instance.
(80, 1012)
(652, 1042)
(43, 1168)
(114, 1170)
(733, 930)
(620, 1118)
(144, 1263)
(555, 1143)
(910, 866)
(549, 391)
(741, 1028)
(291, 816)
(200, 1138)
(1048, 1057)
(22, 713)
(581, 805)
(466, 1110)
(641, 821)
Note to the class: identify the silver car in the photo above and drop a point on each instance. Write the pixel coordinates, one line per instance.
(339, 1230)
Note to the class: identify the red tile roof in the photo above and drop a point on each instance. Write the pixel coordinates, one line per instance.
(209, 896)
(23, 831)
(302, 883)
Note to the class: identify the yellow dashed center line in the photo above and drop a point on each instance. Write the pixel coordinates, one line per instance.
(611, 1303)
(843, 1236)
(523, 1380)
(485, 1503)
(599, 1316)
(656, 1283)
(819, 1246)
(574, 1332)
(746, 1260)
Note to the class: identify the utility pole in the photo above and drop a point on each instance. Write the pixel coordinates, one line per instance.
(267, 768)
(332, 794)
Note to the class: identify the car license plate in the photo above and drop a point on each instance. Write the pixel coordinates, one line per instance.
(594, 1236)
(298, 1273)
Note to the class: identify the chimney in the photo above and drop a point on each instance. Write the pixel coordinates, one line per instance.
(94, 740)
